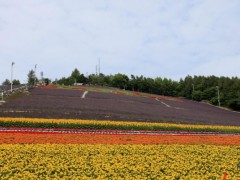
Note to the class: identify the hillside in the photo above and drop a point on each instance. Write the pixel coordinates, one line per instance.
(83, 103)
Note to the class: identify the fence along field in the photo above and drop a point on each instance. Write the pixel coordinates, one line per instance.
(5, 91)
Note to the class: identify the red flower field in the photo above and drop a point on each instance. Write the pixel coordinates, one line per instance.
(85, 138)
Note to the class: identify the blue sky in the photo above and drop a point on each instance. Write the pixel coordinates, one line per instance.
(154, 38)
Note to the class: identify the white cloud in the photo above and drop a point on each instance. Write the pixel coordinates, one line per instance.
(153, 38)
(227, 66)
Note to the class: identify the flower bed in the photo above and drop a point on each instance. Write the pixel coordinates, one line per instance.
(96, 138)
(92, 124)
(48, 86)
(119, 92)
(56, 161)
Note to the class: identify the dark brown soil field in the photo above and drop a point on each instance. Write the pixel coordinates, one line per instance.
(64, 103)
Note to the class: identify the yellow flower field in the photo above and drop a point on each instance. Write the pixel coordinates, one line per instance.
(49, 161)
(119, 125)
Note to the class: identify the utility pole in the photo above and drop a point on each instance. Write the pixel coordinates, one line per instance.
(41, 75)
(219, 104)
(35, 78)
(99, 67)
(2, 96)
(12, 76)
(193, 90)
(42, 80)
(96, 70)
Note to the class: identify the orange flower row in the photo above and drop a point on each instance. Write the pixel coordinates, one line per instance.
(119, 92)
(156, 96)
(43, 138)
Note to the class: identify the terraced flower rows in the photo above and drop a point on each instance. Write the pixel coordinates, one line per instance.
(40, 155)
(33, 130)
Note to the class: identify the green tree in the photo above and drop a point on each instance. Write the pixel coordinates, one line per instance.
(197, 95)
(186, 87)
(31, 78)
(47, 81)
(16, 82)
(140, 83)
(93, 79)
(75, 75)
(102, 80)
(120, 81)
(209, 93)
(234, 104)
(6, 82)
(132, 83)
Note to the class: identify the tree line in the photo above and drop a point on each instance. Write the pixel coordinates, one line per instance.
(32, 80)
(8, 82)
(198, 88)
(211, 89)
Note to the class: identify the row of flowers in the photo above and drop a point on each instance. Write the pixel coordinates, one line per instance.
(61, 87)
(87, 138)
(94, 124)
(55, 161)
